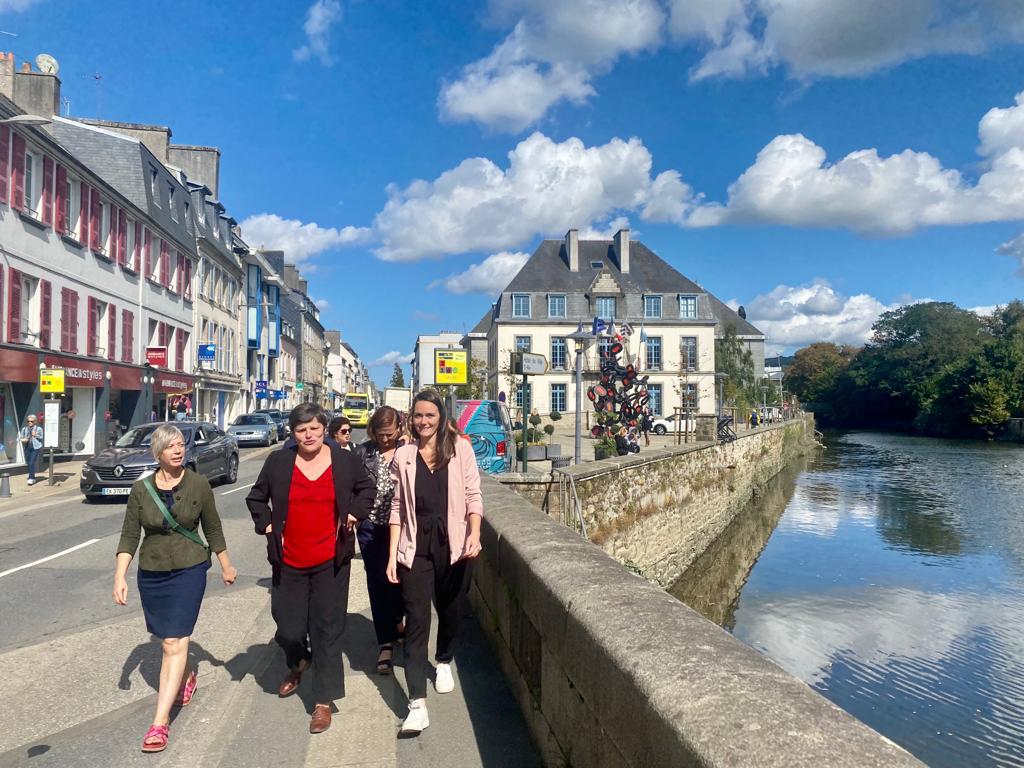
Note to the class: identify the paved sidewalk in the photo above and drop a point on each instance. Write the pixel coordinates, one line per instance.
(86, 698)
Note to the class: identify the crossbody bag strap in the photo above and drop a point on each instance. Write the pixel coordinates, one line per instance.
(171, 522)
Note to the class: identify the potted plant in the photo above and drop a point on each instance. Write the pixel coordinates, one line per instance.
(605, 448)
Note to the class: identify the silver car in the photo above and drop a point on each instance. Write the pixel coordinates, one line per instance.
(254, 429)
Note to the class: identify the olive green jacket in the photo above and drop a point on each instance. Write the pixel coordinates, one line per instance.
(162, 548)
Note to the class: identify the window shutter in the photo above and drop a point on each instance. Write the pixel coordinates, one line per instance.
(111, 332)
(179, 274)
(127, 335)
(122, 239)
(5, 156)
(95, 217)
(14, 306)
(47, 191)
(73, 332)
(188, 278)
(164, 265)
(162, 334)
(45, 313)
(18, 173)
(138, 246)
(83, 214)
(179, 349)
(111, 244)
(147, 242)
(65, 322)
(90, 342)
(60, 200)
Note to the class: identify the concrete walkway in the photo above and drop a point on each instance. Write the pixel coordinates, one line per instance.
(86, 699)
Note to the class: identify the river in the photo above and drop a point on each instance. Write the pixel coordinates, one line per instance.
(887, 572)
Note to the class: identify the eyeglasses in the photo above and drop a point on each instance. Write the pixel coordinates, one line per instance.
(344, 431)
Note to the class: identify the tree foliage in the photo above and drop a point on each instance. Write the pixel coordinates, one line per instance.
(733, 358)
(932, 367)
(397, 377)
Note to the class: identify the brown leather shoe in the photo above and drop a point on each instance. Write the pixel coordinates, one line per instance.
(321, 719)
(291, 681)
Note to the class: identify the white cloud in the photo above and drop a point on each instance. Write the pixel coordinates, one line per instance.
(552, 54)
(320, 17)
(389, 359)
(300, 242)
(1015, 249)
(547, 188)
(607, 230)
(791, 183)
(795, 316)
(322, 303)
(489, 276)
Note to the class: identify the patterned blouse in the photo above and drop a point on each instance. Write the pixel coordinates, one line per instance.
(381, 512)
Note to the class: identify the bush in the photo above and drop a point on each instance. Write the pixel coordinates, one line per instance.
(535, 419)
(549, 430)
(554, 415)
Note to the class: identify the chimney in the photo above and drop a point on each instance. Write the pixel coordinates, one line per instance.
(38, 93)
(622, 250)
(7, 75)
(572, 249)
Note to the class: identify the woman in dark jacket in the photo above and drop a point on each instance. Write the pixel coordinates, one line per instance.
(306, 501)
(385, 435)
(621, 443)
(169, 506)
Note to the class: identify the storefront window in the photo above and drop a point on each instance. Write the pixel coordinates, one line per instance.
(9, 429)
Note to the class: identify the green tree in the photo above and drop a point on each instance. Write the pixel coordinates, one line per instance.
(732, 357)
(814, 371)
(986, 404)
(397, 377)
(476, 387)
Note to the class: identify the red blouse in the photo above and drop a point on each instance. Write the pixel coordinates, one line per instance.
(310, 533)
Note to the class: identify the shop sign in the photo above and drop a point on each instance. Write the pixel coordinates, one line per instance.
(451, 366)
(261, 388)
(299, 386)
(157, 356)
(51, 381)
(207, 353)
(78, 376)
(173, 385)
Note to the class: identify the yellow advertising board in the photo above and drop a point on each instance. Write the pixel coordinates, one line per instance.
(451, 366)
(51, 381)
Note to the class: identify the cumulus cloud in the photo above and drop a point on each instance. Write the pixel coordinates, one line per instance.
(389, 359)
(607, 230)
(489, 276)
(322, 303)
(555, 50)
(1015, 249)
(792, 183)
(320, 17)
(795, 316)
(547, 188)
(552, 54)
(300, 242)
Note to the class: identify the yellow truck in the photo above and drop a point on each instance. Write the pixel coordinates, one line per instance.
(356, 408)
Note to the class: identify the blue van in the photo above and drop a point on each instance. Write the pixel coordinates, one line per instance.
(487, 425)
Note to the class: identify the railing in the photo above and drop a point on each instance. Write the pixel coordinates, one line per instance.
(569, 503)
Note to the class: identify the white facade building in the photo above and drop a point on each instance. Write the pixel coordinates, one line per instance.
(423, 356)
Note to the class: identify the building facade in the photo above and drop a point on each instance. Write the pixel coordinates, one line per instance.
(668, 324)
(423, 356)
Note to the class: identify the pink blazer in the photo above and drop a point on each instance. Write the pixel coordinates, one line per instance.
(464, 498)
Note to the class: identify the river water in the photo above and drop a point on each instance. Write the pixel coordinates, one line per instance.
(887, 572)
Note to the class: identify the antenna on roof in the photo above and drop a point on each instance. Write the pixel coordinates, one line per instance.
(99, 92)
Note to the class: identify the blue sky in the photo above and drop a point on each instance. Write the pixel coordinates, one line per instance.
(818, 161)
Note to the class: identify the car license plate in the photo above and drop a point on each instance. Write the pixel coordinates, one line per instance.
(116, 491)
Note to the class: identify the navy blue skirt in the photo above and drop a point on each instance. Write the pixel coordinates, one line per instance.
(171, 599)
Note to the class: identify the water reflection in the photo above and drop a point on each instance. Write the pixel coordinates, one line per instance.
(893, 585)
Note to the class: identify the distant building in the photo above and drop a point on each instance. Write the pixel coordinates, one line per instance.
(423, 356)
(622, 282)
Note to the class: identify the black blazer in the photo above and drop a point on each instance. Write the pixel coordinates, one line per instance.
(354, 492)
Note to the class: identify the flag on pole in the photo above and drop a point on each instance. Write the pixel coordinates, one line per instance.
(626, 329)
(643, 334)
(599, 326)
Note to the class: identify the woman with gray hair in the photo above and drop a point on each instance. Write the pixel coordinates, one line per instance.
(169, 506)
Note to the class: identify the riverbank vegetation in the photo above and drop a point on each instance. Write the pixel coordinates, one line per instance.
(931, 368)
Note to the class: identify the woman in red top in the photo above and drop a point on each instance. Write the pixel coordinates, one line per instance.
(306, 501)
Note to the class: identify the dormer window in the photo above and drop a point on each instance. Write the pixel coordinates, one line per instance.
(170, 202)
(688, 307)
(520, 305)
(652, 307)
(596, 264)
(153, 190)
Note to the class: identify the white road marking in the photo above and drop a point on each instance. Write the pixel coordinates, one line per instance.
(236, 490)
(47, 559)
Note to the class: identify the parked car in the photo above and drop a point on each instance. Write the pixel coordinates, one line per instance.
(254, 428)
(280, 419)
(113, 471)
(667, 424)
(487, 425)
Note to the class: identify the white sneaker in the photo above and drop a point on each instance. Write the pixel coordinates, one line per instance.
(443, 681)
(31, 482)
(417, 719)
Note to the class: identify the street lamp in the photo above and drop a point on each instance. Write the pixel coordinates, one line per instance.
(27, 120)
(580, 339)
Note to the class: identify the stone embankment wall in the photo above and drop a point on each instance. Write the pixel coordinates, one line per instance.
(659, 510)
(611, 671)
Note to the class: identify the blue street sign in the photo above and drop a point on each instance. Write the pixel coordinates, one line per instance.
(207, 352)
(261, 388)
(277, 394)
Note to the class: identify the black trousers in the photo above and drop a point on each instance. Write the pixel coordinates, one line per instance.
(385, 598)
(431, 577)
(313, 602)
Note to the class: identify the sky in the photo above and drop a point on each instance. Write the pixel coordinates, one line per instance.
(817, 161)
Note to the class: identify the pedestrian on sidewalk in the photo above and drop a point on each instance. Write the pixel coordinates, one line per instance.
(32, 444)
(307, 500)
(434, 538)
(340, 431)
(386, 607)
(169, 506)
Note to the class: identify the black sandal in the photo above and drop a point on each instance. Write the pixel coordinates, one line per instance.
(385, 665)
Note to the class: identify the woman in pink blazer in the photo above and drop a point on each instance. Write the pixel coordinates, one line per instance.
(435, 535)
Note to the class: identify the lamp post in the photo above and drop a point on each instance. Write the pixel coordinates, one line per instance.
(580, 339)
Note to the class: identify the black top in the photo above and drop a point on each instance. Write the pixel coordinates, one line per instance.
(621, 445)
(431, 511)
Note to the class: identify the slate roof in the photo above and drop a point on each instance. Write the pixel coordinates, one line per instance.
(123, 162)
(485, 323)
(548, 269)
